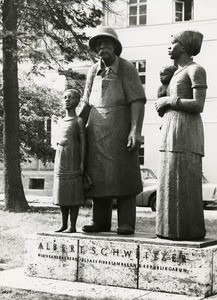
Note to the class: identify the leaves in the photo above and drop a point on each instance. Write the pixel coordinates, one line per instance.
(47, 28)
(37, 105)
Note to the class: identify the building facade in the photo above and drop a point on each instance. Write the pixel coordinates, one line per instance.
(144, 28)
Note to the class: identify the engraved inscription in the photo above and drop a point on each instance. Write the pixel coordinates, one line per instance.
(54, 246)
(165, 256)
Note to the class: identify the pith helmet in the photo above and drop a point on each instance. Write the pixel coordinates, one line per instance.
(109, 33)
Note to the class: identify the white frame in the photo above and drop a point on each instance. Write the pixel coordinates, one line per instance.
(137, 68)
(137, 4)
(183, 11)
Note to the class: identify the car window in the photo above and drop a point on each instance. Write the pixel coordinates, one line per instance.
(147, 174)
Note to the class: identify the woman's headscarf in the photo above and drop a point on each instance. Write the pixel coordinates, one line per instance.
(191, 40)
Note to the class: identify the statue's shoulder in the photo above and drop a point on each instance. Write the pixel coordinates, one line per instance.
(197, 75)
(196, 68)
(126, 66)
(125, 63)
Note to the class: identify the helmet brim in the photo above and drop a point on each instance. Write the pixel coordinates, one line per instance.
(93, 40)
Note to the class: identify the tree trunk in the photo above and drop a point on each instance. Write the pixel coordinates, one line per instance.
(14, 194)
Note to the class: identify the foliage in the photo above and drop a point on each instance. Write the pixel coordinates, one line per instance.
(55, 30)
(37, 105)
(74, 79)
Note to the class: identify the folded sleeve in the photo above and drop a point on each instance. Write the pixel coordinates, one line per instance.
(198, 77)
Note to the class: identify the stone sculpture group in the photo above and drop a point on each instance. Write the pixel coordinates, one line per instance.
(100, 144)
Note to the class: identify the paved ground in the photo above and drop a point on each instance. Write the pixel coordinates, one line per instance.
(16, 279)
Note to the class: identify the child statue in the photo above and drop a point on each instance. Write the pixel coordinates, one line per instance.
(68, 190)
(166, 73)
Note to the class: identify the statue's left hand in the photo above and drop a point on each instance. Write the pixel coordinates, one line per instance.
(133, 141)
(162, 102)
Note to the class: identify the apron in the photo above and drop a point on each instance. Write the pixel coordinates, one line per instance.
(113, 169)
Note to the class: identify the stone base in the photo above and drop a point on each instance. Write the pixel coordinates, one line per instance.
(133, 261)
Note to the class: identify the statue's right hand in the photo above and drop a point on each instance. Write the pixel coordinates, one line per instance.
(162, 104)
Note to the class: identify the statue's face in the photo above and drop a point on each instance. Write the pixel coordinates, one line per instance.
(175, 49)
(70, 100)
(105, 48)
(165, 76)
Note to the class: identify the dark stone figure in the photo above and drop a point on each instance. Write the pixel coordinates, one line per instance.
(166, 74)
(68, 187)
(115, 98)
(179, 213)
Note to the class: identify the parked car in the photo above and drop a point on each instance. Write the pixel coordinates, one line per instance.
(209, 192)
(147, 197)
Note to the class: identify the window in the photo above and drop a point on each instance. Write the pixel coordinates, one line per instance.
(147, 174)
(183, 10)
(36, 183)
(137, 12)
(141, 155)
(141, 68)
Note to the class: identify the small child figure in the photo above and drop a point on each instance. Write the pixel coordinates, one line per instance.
(166, 74)
(68, 190)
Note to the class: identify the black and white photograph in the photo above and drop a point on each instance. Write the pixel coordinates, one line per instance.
(108, 160)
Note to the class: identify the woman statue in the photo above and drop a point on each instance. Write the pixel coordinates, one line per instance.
(179, 213)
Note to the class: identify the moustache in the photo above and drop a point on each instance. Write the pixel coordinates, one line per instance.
(101, 52)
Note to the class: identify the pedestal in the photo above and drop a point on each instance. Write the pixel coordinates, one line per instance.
(133, 261)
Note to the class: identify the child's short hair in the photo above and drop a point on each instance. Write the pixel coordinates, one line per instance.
(74, 92)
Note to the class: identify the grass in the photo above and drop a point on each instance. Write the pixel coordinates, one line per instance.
(15, 226)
